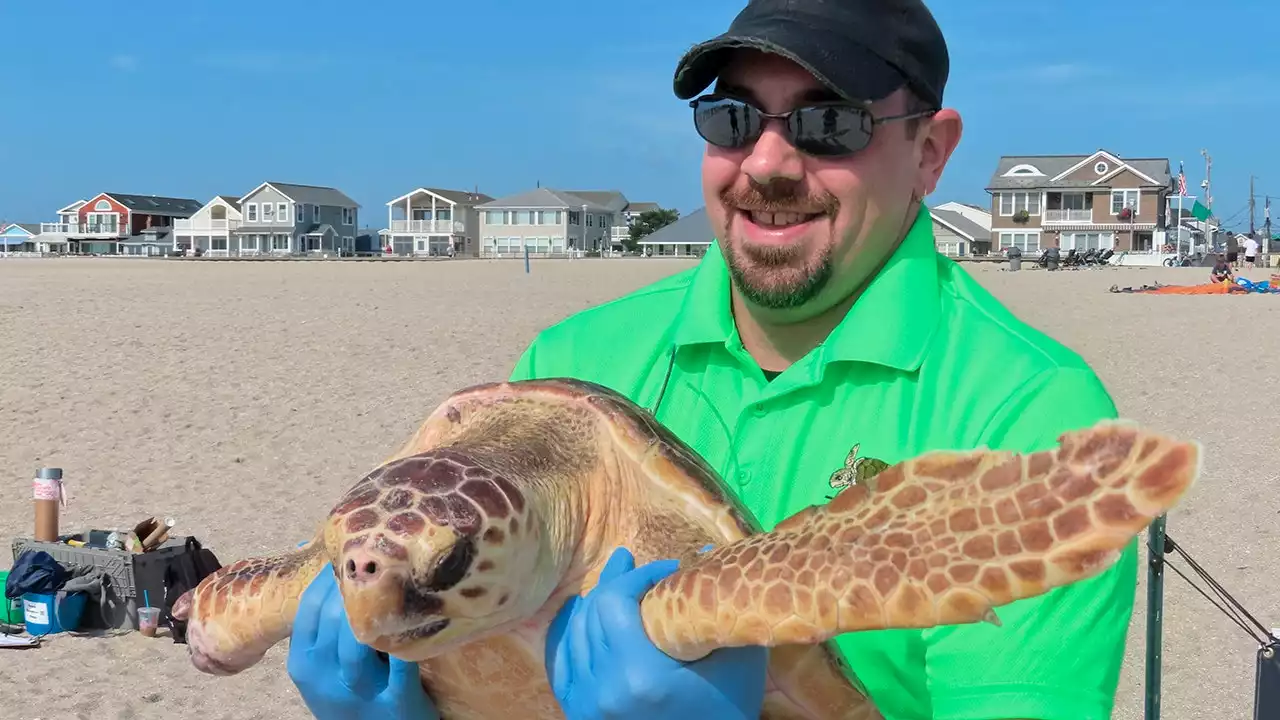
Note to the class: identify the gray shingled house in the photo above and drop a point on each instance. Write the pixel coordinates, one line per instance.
(286, 218)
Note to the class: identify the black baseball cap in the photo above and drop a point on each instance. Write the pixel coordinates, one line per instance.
(864, 50)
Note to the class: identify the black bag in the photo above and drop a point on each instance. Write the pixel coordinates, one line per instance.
(195, 564)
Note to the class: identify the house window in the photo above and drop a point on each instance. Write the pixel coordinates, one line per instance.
(268, 212)
(348, 216)
(1121, 199)
(1088, 241)
(251, 212)
(1012, 202)
(951, 248)
(1027, 242)
(282, 212)
(249, 242)
(280, 242)
(315, 213)
(573, 218)
(299, 213)
(1101, 168)
(218, 243)
(590, 220)
(102, 205)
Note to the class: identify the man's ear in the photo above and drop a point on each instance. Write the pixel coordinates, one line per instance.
(941, 136)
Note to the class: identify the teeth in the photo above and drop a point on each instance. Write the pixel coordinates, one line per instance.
(779, 219)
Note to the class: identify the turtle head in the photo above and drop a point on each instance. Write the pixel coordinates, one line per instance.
(431, 553)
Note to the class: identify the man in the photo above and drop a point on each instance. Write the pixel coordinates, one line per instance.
(1251, 251)
(1221, 271)
(821, 330)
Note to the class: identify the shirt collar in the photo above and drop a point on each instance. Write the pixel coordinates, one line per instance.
(891, 324)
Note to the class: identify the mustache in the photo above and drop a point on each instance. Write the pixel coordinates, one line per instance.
(777, 197)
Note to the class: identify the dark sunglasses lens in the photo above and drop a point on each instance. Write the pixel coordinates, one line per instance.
(726, 123)
(830, 130)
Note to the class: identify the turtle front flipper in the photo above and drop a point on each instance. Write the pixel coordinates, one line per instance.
(237, 613)
(943, 539)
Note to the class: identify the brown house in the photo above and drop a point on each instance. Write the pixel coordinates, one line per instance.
(1078, 202)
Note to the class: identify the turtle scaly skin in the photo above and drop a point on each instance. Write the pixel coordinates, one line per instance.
(458, 550)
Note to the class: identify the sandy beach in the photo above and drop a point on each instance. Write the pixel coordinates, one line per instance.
(244, 398)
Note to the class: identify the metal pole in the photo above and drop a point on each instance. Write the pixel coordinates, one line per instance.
(526, 258)
(1155, 615)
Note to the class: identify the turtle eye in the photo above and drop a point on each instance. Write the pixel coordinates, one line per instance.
(454, 566)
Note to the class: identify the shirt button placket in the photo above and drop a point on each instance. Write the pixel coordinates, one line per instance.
(751, 433)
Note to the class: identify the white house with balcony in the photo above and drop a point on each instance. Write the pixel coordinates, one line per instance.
(434, 221)
(211, 229)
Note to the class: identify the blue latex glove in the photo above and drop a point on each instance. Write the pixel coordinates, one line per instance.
(341, 679)
(602, 665)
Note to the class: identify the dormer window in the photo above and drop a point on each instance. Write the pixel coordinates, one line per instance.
(1024, 170)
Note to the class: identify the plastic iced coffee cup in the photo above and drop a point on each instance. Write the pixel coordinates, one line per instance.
(148, 620)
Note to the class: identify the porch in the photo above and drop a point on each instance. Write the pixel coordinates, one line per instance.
(422, 223)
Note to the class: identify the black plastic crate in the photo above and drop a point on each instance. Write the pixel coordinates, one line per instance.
(128, 575)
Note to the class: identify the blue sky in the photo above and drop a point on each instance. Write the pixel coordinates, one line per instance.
(194, 99)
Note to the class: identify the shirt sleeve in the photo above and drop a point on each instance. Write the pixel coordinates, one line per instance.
(1057, 656)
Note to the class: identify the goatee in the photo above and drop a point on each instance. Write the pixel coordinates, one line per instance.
(767, 276)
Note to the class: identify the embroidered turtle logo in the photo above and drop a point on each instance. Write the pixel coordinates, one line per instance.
(856, 469)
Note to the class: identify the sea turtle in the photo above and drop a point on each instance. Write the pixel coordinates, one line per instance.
(457, 551)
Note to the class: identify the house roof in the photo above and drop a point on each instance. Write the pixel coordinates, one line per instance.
(30, 228)
(310, 194)
(157, 205)
(230, 200)
(640, 207)
(692, 229)
(318, 229)
(1051, 166)
(461, 197)
(959, 223)
(610, 199)
(543, 198)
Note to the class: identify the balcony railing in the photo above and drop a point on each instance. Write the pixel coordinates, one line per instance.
(428, 226)
(84, 229)
(205, 226)
(1065, 216)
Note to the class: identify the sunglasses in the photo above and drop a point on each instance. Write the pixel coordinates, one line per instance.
(824, 129)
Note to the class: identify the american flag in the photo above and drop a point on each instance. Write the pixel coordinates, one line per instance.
(1182, 180)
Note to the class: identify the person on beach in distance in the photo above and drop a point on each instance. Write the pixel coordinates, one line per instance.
(821, 331)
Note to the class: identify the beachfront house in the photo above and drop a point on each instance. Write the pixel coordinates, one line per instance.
(209, 230)
(434, 221)
(1076, 202)
(284, 218)
(546, 221)
(619, 210)
(690, 236)
(19, 238)
(621, 231)
(961, 230)
(118, 223)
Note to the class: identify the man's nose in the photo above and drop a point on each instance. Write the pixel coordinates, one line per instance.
(773, 157)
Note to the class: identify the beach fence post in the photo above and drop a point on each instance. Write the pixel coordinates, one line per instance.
(1155, 615)
(526, 259)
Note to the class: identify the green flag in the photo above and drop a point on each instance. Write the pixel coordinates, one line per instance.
(1200, 212)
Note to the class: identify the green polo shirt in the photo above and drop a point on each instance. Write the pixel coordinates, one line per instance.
(925, 360)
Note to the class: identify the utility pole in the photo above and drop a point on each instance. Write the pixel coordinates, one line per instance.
(1252, 228)
(1207, 184)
